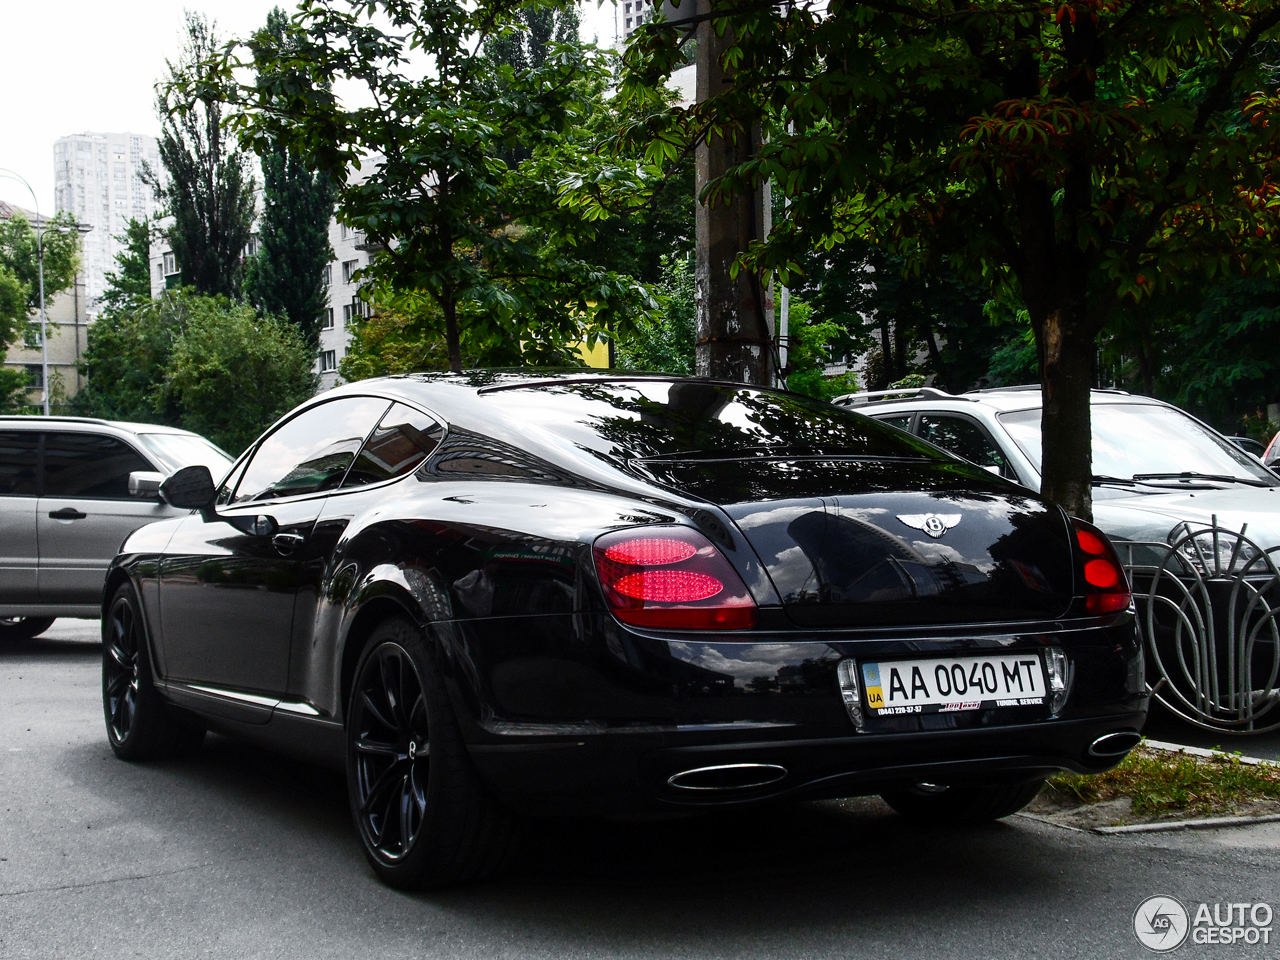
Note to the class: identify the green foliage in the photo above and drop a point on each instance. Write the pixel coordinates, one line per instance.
(1158, 781)
(209, 190)
(19, 268)
(664, 344)
(809, 351)
(286, 277)
(133, 283)
(14, 384)
(232, 373)
(487, 241)
(1071, 156)
(194, 361)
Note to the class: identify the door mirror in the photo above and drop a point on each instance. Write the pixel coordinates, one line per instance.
(145, 484)
(191, 488)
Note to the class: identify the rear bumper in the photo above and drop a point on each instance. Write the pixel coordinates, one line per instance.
(620, 773)
(605, 730)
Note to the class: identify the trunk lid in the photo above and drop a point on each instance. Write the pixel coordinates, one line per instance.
(860, 543)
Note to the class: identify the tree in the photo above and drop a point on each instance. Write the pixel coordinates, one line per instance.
(233, 373)
(421, 170)
(132, 284)
(193, 361)
(664, 344)
(1070, 156)
(20, 287)
(286, 277)
(209, 189)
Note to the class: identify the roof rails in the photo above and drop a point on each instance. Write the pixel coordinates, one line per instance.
(902, 393)
(1036, 387)
(30, 417)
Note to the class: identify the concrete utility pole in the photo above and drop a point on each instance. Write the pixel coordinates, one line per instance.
(733, 327)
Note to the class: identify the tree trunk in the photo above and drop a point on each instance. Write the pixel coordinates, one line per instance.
(733, 337)
(1066, 363)
(449, 306)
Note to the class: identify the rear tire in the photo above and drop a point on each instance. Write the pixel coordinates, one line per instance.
(140, 725)
(23, 628)
(423, 815)
(963, 803)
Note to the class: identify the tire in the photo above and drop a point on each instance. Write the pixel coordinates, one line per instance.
(963, 803)
(140, 725)
(423, 815)
(23, 628)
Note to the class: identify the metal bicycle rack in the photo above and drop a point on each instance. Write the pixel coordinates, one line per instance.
(1208, 602)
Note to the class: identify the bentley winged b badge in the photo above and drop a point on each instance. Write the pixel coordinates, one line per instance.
(934, 524)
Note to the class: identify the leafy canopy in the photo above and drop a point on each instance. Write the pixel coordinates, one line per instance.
(421, 167)
(20, 264)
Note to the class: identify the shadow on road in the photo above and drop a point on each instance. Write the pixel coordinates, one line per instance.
(44, 648)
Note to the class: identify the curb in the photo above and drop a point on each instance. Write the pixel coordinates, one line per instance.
(1170, 826)
(1202, 752)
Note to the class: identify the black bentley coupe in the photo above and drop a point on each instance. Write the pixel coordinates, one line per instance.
(633, 596)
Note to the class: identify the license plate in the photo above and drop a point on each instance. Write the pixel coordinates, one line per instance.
(951, 685)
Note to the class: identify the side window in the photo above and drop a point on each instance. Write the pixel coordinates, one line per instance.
(311, 452)
(965, 439)
(401, 441)
(902, 423)
(18, 464)
(89, 465)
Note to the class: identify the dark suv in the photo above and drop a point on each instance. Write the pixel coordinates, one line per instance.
(71, 490)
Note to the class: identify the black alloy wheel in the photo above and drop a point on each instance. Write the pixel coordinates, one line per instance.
(23, 628)
(962, 803)
(140, 725)
(392, 752)
(422, 814)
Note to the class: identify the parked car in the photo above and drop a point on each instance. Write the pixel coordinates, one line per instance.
(626, 596)
(1249, 445)
(1155, 466)
(1271, 456)
(71, 490)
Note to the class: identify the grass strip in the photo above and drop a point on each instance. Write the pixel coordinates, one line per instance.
(1158, 781)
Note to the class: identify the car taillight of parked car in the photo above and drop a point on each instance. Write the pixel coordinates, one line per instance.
(671, 577)
(1106, 587)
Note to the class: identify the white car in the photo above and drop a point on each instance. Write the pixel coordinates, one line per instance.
(71, 490)
(1155, 467)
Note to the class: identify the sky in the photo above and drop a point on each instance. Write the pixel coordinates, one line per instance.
(73, 66)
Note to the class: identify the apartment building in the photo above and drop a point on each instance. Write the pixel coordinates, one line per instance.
(66, 333)
(98, 179)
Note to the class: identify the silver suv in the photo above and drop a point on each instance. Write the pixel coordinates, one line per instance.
(71, 490)
(1154, 465)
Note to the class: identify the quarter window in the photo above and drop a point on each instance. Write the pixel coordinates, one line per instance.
(402, 440)
(965, 439)
(18, 464)
(89, 465)
(311, 452)
(902, 423)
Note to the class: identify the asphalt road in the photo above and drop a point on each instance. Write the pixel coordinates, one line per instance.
(239, 853)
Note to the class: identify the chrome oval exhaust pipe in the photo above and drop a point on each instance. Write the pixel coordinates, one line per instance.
(728, 776)
(1112, 745)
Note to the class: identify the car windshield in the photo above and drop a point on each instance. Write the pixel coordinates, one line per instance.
(1140, 439)
(178, 450)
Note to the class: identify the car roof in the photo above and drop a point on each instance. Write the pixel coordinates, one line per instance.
(38, 422)
(1000, 399)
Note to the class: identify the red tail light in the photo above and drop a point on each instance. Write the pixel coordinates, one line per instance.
(1105, 585)
(671, 577)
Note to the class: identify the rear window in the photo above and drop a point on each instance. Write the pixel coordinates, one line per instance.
(643, 419)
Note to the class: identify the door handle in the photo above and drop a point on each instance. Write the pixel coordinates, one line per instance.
(67, 513)
(286, 543)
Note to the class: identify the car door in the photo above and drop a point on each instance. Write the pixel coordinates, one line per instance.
(229, 580)
(19, 554)
(85, 512)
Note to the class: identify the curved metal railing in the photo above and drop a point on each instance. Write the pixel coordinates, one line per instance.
(1208, 602)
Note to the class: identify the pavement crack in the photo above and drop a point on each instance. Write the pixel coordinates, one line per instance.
(99, 883)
